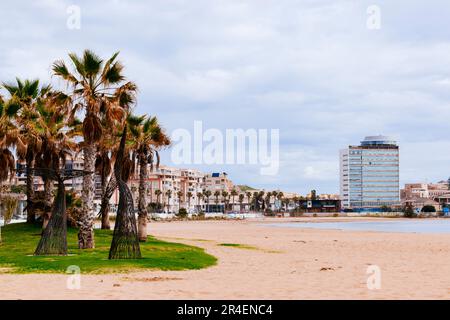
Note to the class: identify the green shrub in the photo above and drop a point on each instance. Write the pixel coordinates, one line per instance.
(182, 213)
(409, 211)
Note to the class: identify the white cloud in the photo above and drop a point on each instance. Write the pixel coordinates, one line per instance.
(310, 68)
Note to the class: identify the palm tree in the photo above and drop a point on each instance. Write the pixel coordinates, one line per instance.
(225, 200)
(105, 158)
(233, 194)
(207, 194)
(267, 200)
(199, 198)
(25, 95)
(249, 199)
(216, 198)
(280, 196)
(179, 195)
(241, 200)
(169, 195)
(100, 90)
(8, 130)
(158, 194)
(147, 138)
(189, 196)
(296, 200)
(255, 200)
(52, 128)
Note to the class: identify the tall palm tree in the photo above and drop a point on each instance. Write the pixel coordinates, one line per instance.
(52, 128)
(255, 200)
(241, 200)
(106, 153)
(199, 198)
(8, 131)
(147, 138)
(216, 198)
(158, 194)
(179, 196)
(189, 197)
(169, 195)
(25, 95)
(233, 194)
(249, 199)
(267, 200)
(280, 196)
(225, 200)
(206, 195)
(101, 91)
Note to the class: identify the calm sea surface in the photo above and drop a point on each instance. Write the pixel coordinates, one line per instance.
(412, 226)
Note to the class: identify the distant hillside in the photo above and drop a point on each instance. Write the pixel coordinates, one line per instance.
(245, 188)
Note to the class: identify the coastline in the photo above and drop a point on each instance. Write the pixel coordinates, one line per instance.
(273, 263)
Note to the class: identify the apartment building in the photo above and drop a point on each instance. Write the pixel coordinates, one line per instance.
(217, 181)
(369, 174)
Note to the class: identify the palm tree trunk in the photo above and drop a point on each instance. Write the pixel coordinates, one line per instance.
(125, 242)
(106, 196)
(86, 232)
(142, 202)
(48, 190)
(31, 216)
(54, 237)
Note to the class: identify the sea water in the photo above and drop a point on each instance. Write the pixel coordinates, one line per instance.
(411, 226)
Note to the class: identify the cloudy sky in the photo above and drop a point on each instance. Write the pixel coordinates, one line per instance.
(311, 68)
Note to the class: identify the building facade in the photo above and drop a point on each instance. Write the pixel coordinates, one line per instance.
(419, 195)
(369, 174)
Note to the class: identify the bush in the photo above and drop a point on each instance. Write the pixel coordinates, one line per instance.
(182, 213)
(154, 207)
(335, 215)
(409, 212)
(428, 208)
(315, 215)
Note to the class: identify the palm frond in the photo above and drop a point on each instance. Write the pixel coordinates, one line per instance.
(12, 106)
(78, 63)
(91, 63)
(60, 69)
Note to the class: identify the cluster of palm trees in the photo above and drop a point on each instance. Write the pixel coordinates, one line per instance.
(260, 201)
(42, 127)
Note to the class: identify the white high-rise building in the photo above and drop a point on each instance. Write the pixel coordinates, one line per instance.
(369, 174)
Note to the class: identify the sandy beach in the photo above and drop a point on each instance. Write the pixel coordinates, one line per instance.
(279, 263)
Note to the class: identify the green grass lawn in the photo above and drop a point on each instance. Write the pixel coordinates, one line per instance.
(20, 241)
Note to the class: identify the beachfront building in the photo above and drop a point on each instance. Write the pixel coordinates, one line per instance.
(419, 195)
(191, 185)
(170, 188)
(424, 190)
(217, 181)
(369, 174)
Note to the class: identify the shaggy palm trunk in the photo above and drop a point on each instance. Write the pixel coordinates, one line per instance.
(107, 191)
(125, 242)
(106, 225)
(54, 236)
(31, 217)
(48, 190)
(142, 202)
(86, 232)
